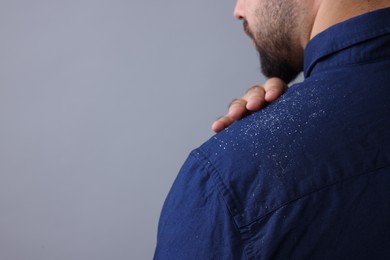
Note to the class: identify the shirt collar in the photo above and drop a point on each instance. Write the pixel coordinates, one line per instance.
(344, 35)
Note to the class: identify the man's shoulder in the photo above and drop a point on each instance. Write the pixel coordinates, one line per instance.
(258, 160)
(312, 137)
(273, 136)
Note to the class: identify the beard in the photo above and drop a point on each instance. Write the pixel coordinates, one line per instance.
(275, 38)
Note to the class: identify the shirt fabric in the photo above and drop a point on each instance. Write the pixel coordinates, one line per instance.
(308, 177)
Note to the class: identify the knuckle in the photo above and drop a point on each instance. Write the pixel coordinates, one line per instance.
(254, 88)
(237, 101)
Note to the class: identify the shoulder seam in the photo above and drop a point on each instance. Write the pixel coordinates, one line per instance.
(228, 199)
(308, 194)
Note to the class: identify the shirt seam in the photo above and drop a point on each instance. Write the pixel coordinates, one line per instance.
(231, 204)
(228, 198)
(308, 194)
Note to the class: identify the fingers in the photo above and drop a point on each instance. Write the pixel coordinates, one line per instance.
(258, 95)
(236, 111)
(222, 123)
(254, 99)
(274, 88)
(237, 108)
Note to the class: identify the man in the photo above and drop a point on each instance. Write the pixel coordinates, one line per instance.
(307, 177)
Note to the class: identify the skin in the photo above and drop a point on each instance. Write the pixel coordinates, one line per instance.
(280, 31)
(257, 97)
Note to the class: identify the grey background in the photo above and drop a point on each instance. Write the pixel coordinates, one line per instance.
(100, 103)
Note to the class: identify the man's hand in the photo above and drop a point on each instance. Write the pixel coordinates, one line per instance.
(255, 98)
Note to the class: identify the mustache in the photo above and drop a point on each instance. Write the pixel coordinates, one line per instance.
(246, 29)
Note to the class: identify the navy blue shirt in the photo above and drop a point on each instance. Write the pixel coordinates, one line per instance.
(308, 177)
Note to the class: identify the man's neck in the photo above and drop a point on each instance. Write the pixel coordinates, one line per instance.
(331, 12)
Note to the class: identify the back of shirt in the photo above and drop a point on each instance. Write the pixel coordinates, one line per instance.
(306, 178)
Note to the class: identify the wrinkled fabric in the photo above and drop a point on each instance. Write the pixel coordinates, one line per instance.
(308, 177)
